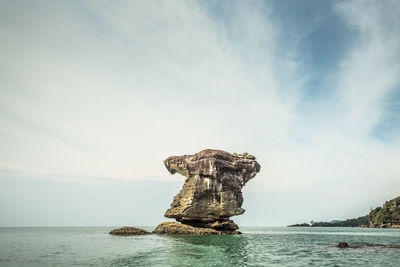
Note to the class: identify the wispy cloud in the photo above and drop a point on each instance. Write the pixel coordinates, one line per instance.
(109, 89)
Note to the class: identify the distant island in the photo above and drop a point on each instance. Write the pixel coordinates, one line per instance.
(386, 216)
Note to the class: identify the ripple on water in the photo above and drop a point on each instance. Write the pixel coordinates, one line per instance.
(256, 247)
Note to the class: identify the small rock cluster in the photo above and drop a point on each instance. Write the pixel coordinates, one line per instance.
(126, 230)
(175, 228)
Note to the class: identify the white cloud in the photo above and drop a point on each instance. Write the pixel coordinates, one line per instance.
(336, 158)
(100, 93)
(110, 90)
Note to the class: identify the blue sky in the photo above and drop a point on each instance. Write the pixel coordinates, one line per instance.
(95, 94)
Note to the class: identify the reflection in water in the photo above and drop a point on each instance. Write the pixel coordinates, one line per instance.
(86, 246)
(189, 250)
(208, 250)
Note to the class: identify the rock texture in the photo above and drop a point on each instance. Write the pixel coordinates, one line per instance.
(174, 228)
(126, 230)
(343, 245)
(212, 189)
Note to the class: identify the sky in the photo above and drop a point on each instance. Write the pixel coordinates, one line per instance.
(94, 95)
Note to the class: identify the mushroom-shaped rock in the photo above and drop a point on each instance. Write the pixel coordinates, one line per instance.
(212, 189)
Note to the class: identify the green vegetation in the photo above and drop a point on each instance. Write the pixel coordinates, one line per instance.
(363, 220)
(235, 154)
(388, 214)
(299, 225)
(245, 155)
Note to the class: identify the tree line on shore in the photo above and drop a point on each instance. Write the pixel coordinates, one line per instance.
(388, 215)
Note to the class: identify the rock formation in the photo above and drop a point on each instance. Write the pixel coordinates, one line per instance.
(343, 245)
(174, 228)
(212, 189)
(126, 230)
(366, 245)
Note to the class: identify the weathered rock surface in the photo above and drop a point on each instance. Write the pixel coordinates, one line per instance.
(126, 230)
(343, 245)
(174, 228)
(212, 189)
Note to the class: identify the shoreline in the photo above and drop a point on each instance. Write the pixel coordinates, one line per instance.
(395, 226)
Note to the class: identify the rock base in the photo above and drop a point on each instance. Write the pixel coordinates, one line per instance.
(219, 225)
(174, 228)
(382, 225)
(126, 230)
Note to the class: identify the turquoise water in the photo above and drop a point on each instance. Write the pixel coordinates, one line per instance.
(258, 246)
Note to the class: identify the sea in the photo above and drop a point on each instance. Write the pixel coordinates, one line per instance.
(257, 246)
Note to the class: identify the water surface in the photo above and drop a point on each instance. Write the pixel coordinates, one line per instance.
(258, 246)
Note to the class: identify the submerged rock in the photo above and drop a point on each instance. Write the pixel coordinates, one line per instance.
(364, 245)
(212, 189)
(343, 245)
(126, 230)
(174, 228)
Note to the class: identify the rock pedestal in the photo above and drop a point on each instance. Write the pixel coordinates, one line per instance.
(212, 192)
(174, 228)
